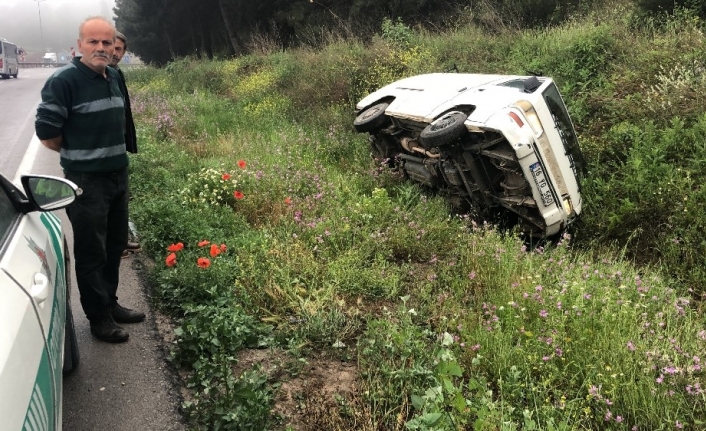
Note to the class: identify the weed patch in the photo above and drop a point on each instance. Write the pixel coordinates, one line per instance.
(333, 262)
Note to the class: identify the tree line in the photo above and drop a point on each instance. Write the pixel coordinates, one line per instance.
(162, 30)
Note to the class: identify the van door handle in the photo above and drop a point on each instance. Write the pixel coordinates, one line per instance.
(40, 288)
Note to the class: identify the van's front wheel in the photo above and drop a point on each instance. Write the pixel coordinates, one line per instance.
(372, 118)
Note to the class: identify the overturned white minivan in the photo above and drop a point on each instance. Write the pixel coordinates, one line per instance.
(497, 146)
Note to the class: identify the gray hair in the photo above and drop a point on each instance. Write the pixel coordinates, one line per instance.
(122, 37)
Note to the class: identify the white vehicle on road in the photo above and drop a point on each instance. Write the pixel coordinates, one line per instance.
(50, 58)
(8, 59)
(502, 147)
(37, 339)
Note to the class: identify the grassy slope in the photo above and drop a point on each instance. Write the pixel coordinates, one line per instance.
(451, 325)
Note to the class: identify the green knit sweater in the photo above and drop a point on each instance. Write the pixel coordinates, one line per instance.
(87, 111)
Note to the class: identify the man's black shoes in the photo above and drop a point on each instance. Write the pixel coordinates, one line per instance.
(105, 329)
(131, 247)
(125, 315)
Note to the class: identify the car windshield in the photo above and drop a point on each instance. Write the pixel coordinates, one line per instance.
(565, 129)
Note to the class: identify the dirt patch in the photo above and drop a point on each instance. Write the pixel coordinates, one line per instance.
(311, 389)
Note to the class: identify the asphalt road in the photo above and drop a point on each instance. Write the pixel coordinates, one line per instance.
(119, 387)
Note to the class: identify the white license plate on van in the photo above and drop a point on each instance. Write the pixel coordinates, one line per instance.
(542, 184)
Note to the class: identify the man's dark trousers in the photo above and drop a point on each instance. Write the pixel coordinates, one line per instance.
(99, 218)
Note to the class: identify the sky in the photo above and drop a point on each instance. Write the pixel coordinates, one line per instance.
(20, 22)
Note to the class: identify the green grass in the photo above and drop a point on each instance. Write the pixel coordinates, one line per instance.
(452, 325)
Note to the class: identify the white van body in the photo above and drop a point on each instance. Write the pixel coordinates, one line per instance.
(8, 60)
(495, 145)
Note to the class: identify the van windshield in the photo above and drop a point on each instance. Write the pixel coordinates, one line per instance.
(565, 128)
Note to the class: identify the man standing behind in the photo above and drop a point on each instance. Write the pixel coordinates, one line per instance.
(130, 134)
(82, 116)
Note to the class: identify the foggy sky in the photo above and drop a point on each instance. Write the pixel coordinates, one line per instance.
(19, 22)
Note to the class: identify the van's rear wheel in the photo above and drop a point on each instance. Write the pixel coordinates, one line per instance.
(444, 130)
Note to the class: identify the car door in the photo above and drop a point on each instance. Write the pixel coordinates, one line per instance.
(31, 340)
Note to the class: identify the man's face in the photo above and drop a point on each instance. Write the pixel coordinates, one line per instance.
(96, 42)
(118, 53)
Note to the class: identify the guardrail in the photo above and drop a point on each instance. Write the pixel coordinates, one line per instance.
(30, 64)
(125, 66)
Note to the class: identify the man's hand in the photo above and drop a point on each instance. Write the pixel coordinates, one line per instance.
(53, 143)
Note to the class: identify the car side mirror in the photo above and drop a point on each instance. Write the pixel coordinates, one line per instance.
(49, 193)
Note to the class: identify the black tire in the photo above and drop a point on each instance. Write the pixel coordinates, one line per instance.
(372, 118)
(71, 354)
(444, 130)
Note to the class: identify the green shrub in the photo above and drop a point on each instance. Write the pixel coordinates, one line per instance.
(219, 327)
(223, 401)
(648, 199)
(395, 360)
(670, 6)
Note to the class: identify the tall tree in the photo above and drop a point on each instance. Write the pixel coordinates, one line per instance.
(235, 41)
(161, 30)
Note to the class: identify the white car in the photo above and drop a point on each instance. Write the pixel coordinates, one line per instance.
(50, 58)
(37, 339)
(502, 147)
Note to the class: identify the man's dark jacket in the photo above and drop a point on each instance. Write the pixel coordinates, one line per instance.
(130, 134)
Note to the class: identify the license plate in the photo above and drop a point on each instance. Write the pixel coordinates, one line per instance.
(542, 184)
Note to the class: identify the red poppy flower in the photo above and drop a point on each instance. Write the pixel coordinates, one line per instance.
(215, 251)
(288, 200)
(225, 177)
(223, 247)
(204, 243)
(171, 259)
(202, 262)
(175, 247)
(242, 164)
(238, 195)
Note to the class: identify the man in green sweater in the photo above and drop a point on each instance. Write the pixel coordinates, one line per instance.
(82, 116)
